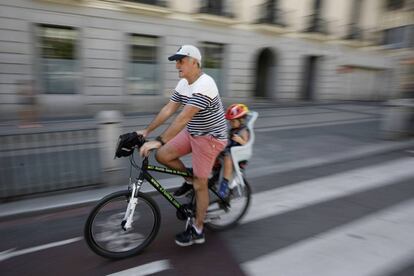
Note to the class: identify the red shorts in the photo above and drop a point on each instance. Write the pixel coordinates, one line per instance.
(204, 149)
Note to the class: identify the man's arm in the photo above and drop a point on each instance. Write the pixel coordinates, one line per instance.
(176, 126)
(179, 122)
(166, 112)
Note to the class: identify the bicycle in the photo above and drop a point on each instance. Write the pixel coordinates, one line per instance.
(117, 229)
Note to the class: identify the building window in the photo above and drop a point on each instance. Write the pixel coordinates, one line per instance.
(270, 13)
(411, 36)
(143, 65)
(394, 4)
(217, 7)
(396, 37)
(213, 54)
(354, 31)
(59, 65)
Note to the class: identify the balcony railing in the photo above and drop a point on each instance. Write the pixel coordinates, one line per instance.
(354, 32)
(394, 4)
(217, 7)
(370, 36)
(317, 24)
(270, 13)
(161, 3)
(272, 16)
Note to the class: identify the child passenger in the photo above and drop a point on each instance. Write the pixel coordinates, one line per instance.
(238, 135)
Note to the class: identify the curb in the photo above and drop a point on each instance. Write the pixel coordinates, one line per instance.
(62, 201)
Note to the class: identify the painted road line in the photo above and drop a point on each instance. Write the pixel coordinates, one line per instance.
(12, 253)
(276, 201)
(377, 244)
(318, 124)
(358, 152)
(146, 269)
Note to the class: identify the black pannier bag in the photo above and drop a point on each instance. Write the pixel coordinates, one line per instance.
(127, 142)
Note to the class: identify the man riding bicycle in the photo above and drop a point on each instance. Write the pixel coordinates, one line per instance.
(200, 128)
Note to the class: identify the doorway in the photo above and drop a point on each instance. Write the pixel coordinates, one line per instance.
(309, 77)
(265, 74)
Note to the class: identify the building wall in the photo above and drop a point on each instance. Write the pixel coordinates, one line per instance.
(338, 15)
(296, 13)
(401, 48)
(104, 27)
(371, 15)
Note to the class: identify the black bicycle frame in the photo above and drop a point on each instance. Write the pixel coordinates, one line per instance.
(144, 174)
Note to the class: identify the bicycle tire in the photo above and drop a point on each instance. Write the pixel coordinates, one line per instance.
(218, 225)
(107, 238)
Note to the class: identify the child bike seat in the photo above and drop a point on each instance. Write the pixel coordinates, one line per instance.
(244, 152)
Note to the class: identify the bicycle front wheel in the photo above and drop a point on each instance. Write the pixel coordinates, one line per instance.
(221, 217)
(103, 229)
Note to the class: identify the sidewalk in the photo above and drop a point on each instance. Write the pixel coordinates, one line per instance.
(58, 201)
(301, 138)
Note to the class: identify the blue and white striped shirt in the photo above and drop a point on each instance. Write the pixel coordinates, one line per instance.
(203, 94)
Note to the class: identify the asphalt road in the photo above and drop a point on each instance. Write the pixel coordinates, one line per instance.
(323, 211)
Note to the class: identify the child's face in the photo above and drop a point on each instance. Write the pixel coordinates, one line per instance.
(235, 123)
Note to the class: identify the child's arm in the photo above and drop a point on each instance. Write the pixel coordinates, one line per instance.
(242, 138)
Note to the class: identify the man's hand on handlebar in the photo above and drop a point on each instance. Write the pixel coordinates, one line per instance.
(142, 132)
(144, 151)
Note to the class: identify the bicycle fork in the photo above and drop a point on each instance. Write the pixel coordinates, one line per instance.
(133, 201)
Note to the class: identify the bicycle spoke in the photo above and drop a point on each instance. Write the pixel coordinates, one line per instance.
(105, 234)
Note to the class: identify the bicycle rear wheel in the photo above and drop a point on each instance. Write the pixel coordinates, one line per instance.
(103, 229)
(219, 217)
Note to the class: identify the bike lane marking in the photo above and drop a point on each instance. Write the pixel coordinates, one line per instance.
(146, 269)
(377, 244)
(358, 152)
(280, 200)
(10, 253)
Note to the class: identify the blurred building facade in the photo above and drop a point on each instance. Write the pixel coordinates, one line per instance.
(90, 55)
(397, 21)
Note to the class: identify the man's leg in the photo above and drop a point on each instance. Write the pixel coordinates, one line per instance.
(201, 189)
(177, 147)
(205, 151)
(169, 157)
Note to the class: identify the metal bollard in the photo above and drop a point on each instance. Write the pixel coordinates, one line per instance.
(397, 120)
(109, 130)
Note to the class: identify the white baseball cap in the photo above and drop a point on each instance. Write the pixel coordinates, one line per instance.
(186, 51)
